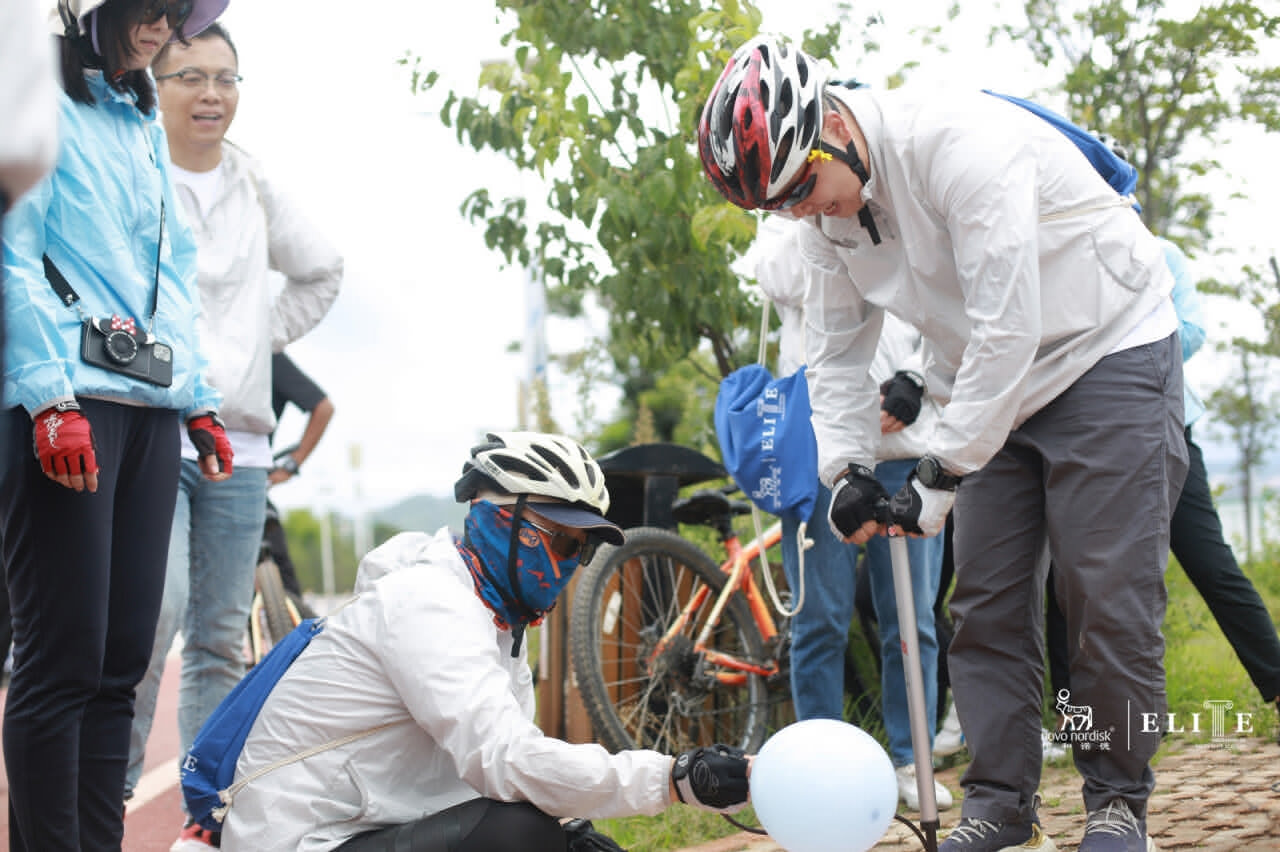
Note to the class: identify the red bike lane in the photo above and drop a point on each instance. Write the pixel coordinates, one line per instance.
(154, 817)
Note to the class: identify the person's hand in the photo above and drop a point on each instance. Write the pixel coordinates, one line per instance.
(712, 778)
(64, 446)
(209, 437)
(901, 397)
(286, 468)
(919, 510)
(859, 505)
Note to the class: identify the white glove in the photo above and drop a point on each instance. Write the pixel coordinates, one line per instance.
(917, 509)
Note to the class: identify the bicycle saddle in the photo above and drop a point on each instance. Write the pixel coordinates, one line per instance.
(707, 506)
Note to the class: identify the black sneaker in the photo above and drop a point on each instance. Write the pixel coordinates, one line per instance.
(982, 835)
(1114, 828)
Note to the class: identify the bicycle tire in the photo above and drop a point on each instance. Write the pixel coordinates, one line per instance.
(625, 600)
(275, 601)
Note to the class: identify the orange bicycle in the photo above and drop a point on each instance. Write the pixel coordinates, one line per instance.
(672, 650)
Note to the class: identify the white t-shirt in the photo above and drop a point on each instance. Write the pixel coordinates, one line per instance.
(205, 186)
(251, 450)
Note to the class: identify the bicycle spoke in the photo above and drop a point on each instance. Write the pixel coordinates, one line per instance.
(644, 681)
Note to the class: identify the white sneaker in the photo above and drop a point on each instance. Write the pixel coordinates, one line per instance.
(909, 792)
(1050, 749)
(950, 739)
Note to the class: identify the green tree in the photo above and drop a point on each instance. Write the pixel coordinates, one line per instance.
(1248, 412)
(1168, 88)
(600, 101)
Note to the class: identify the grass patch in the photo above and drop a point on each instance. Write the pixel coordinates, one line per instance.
(676, 828)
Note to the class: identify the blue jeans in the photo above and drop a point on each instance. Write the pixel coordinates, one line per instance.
(820, 633)
(213, 550)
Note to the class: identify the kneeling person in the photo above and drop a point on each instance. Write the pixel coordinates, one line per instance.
(427, 667)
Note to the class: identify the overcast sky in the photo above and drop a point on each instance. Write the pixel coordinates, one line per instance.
(415, 351)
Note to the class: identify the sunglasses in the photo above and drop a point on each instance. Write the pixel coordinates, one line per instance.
(177, 11)
(565, 546)
(803, 188)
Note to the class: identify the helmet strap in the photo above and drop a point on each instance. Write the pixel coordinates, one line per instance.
(513, 574)
(849, 156)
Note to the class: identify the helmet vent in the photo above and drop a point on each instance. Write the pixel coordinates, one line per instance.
(570, 476)
(782, 154)
(808, 124)
(522, 468)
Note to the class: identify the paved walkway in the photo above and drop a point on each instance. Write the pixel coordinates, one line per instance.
(1223, 800)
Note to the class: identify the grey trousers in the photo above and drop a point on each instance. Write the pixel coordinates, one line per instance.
(1095, 475)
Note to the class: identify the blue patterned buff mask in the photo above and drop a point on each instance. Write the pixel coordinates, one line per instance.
(516, 575)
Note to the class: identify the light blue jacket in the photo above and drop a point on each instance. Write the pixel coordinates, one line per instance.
(1186, 301)
(97, 216)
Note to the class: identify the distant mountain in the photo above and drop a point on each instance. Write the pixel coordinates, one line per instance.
(424, 513)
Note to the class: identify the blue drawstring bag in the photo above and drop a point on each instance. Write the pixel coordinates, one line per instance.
(767, 440)
(209, 768)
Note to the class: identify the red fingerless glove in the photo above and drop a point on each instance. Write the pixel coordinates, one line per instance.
(210, 439)
(64, 443)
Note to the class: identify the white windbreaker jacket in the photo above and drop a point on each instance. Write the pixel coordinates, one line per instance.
(1020, 266)
(418, 648)
(253, 228)
(28, 98)
(781, 275)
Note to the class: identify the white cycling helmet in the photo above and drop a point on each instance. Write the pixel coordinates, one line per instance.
(760, 123)
(70, 17)
(561, 479)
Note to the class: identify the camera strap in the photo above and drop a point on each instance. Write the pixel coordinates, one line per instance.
(62, 287)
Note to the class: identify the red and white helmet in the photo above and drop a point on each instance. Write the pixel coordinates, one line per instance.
(763, 118)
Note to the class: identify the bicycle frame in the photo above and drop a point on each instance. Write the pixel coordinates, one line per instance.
(733, 669)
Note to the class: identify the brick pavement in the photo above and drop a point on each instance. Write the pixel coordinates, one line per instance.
(1206, 798)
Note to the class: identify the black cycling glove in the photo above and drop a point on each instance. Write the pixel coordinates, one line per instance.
(902, 396)
(858, 497)
(583, 837)
(713, 778)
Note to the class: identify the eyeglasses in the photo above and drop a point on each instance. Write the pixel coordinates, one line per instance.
(197, 80)
(803, 188)
(177, 11)
(566, 546)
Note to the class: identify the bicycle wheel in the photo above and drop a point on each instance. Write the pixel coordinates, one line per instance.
(276, 607)
(674, 699)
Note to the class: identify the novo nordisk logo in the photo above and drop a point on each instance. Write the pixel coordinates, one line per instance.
(1077, 723)
(1076, 727)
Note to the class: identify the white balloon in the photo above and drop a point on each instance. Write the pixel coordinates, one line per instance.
(824, 786)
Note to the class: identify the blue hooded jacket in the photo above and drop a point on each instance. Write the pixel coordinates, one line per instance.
(97, 216)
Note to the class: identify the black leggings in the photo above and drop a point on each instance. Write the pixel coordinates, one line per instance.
(85, 577)
(477, 825)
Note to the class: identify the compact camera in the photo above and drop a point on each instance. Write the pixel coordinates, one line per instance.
(126, 351)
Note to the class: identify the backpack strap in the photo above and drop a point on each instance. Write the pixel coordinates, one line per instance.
(228, 795)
